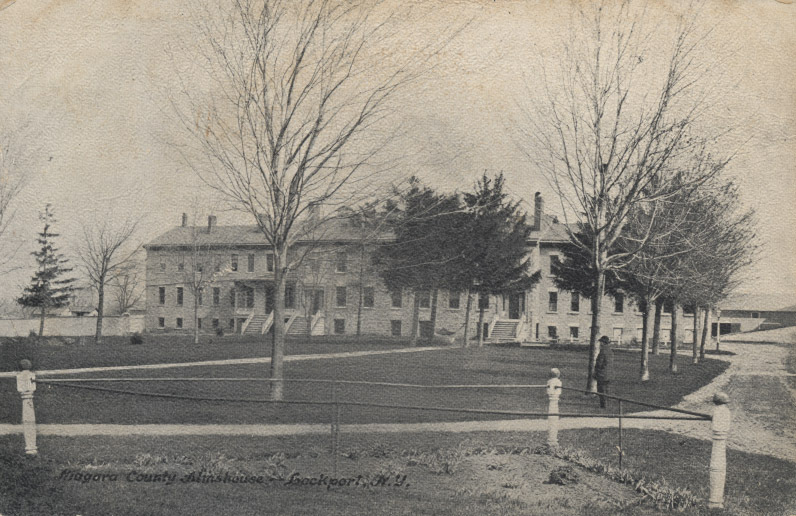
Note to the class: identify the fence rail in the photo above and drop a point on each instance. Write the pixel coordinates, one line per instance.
(26, 385)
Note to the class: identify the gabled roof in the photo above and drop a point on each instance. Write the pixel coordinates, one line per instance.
(759, 303)
(551, 231)
(334, 230)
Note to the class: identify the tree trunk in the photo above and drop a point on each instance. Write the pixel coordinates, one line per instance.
(41, 322)
(100, 310)
(195, 316)
(656, 327)
(645, 341)
(594, 344)
(278, 337)
(415, 317)
(361, 288)
(433, 322)
(467, 319)
(480, 324)
(705, 330)
(673, 339)
(695, 343)
(359, 310)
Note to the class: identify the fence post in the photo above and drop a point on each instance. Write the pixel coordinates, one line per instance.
(553, 393)
(335, 428)
(718, 456)
(26, 384)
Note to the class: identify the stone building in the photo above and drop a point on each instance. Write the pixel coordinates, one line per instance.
(225, 273)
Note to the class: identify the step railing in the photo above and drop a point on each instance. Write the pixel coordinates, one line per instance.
(246, 323)
(267, 324)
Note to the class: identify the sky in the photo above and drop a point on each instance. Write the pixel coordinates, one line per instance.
(85, 85)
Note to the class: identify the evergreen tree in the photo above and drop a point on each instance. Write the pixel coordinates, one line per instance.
(48, 288)
(423, 254)
(493, 245)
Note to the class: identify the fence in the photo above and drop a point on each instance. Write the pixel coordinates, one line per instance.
(720, 420)
(72, 326)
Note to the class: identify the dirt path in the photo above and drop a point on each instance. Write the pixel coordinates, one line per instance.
(234, 361)
(762, 403)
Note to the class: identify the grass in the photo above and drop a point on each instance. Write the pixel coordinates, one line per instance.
(60, 352)
(447, 474)
(59, 404)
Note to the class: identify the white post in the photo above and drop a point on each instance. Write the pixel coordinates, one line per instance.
(718, 456)
(553, 393)
(26, 384)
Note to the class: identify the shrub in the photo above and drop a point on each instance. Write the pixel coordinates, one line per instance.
(136, 339)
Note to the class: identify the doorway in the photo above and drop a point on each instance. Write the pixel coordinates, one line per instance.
(516, 304)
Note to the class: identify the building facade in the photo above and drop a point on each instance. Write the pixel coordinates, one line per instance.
(223, 275)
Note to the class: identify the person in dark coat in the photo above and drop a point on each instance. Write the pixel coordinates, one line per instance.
(603, 369)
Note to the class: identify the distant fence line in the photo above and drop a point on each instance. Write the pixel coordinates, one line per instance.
(72, 326)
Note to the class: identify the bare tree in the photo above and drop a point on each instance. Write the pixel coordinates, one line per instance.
(12, 180)
(297, 120)
(103, 254)
(127, 286)
(620, 122)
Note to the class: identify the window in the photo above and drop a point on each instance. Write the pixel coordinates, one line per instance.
(618, 332)
(250, 266)
(290, 295)
(216, 296)
(200, 268)
(367, 297)
(341, 263)
(199, 299)
(269, 262)
(162, 295)
(315, 265)
(552, 332)
(619, 303)
(396, 298)
(755, 315)
(232, 325)
(248, 295)
(340, 295)
(395, 328)
(573, 333)
(339, 326)
(161, 322)
(667, 306)
(424, 298)
(232, 294)
(555, 261)
(217, 267)
(574, 303)
(181, 266)
(179, 322)
(199, 323)
(425, 329)
(162, 266)
(483, 301)
(552, 301)
(454, 300)
(215, 323)
(233, 264)
(180, 292)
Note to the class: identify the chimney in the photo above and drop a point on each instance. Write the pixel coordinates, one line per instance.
(184, 219)
(211, 221)
(538, 210)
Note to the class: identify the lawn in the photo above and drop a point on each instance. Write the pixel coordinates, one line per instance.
(446, 474)
(60, 352)
(60, 404)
